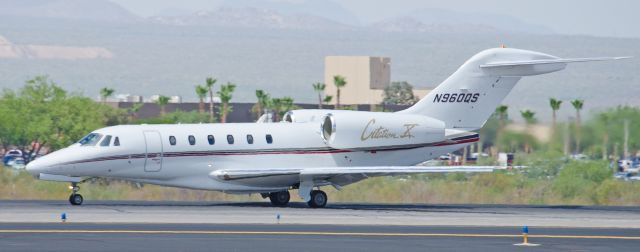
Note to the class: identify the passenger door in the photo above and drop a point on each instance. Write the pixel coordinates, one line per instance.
(153, 160)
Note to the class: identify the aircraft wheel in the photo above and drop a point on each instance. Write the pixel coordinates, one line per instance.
(76, 199)
(280, 198)
(318, 199)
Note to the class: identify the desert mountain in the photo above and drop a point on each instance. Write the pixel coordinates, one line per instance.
(97, 10)
(412, 25)
(9, 50)
(252, 18)
(470, 20)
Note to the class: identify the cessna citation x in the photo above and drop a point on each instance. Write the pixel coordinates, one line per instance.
(309, 149)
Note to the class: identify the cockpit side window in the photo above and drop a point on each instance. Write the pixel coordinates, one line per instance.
(116, 142)
(90, 140)
(106, 141)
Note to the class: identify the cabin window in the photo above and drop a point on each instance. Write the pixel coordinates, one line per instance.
(172, 140)
(90, 140)
(269, 139)
(250, 139)
(105, 142)
(192, 140)
(116, 142)
(230, 139)
(211, 139)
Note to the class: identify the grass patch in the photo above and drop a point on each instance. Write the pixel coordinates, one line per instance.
(576, 183)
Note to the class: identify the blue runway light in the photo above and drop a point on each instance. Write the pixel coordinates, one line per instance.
(63, 217)
(525, 238)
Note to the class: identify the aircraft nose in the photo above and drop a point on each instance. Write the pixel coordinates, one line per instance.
(35, 167)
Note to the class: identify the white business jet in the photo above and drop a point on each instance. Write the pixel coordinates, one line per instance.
(309, 149)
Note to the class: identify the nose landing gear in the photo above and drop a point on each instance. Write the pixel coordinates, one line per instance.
(75, 198)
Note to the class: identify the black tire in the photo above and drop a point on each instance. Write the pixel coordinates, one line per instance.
(318, 199)
(280, 198)
(76, 199)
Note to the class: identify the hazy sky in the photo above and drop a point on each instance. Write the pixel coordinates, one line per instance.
(618, 18)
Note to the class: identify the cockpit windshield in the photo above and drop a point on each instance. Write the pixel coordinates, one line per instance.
(90, 140)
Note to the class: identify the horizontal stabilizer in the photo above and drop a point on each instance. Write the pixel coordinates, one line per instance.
(546, 61)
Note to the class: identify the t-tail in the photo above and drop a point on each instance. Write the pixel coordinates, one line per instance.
(466, 99)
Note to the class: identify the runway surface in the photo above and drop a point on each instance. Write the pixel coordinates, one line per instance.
(282, 237)
(336, 214)
(189, 226)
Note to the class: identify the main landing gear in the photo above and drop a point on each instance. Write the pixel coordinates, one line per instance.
(75, 198)
(318, 199)
(279, 198)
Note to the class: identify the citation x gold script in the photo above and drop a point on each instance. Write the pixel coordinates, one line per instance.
(372, 132)
(309, 149)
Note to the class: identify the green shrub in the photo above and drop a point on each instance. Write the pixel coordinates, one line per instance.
(580, 179)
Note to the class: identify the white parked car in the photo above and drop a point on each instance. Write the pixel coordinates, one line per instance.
(17, 163)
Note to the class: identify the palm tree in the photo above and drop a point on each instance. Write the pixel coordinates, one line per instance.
(502, 113)
(339, 81)
(105, 93)
(555, 106)
(276, 106)
(319, 88)
(529, 119)
(210, 81)
(577, 104)
(133, 110)
(280, 106)
(287, 104)
(225, 93)
(605, 120)
(262, 104)
(162, 102)
(201, 91)
(528, 116)
(327, 99)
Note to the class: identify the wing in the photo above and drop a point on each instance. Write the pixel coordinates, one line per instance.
(337, 176)
(235, 174)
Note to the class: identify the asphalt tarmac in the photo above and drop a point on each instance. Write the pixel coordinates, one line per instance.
(254, 226)
(335, 214)
(281, 237)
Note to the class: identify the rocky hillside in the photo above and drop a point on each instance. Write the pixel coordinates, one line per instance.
(251, 18)
(9, 50)
(97, 10)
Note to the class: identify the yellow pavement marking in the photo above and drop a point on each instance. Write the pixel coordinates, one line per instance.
(315, 233)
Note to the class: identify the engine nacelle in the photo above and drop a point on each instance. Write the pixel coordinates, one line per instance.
(313, 115)
(305, 115)
(378, 130)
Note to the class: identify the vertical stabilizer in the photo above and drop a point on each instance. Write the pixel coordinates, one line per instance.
(469, 96)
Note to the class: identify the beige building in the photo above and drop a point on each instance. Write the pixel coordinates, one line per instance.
(366, 78)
